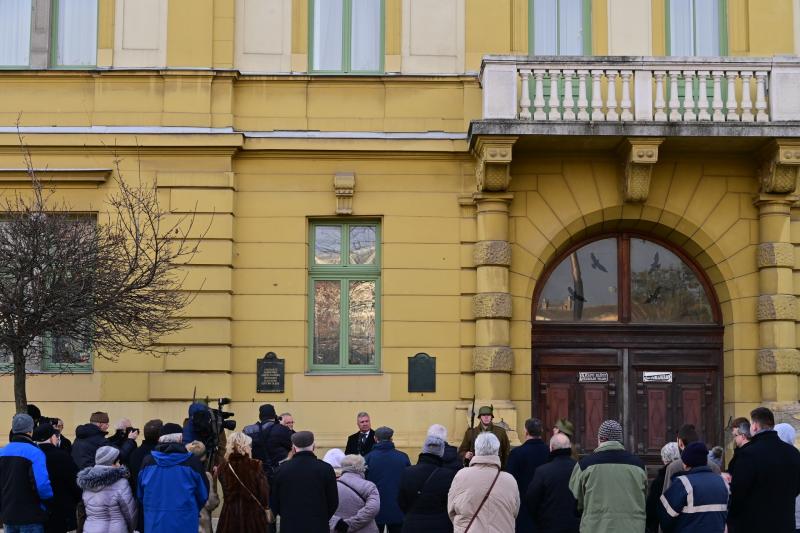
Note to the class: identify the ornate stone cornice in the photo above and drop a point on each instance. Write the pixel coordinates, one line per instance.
(779, 167)
(344, 184)
(493, 163)
(639, 154)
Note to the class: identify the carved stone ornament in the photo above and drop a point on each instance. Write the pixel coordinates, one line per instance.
(492, 253)
(492, 359)
(778, 361)
(775, 254)
(779, 168)
(491, 305)
(640, 157)
(777, 307)
(344, 184)
(493, 163)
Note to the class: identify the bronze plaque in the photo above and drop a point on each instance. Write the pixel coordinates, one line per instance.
(270, 373)
(422, 373)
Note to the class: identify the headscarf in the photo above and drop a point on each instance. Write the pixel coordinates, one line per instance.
(786, 433)
(670, 452)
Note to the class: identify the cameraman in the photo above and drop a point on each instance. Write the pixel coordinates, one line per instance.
(271, 441)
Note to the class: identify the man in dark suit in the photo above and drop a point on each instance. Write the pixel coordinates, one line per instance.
(522, 464)
(361, 442)
(305, 493)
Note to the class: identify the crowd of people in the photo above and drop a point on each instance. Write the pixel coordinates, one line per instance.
(270, 477)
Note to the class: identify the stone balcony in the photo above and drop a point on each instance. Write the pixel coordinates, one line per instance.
(719, 97)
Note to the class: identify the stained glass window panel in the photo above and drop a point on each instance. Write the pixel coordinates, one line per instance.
(362, 322)
(327, 321)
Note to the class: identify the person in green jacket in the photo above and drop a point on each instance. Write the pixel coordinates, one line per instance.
(610, 485)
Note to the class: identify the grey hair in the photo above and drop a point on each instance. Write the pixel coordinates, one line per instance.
(171, 437)
(124, 423)
(559, 441)
(362, 414)
(438, 430)
(354, 464)
(487, 444)
(286, 414)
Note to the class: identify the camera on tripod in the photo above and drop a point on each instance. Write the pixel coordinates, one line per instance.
(209, 424)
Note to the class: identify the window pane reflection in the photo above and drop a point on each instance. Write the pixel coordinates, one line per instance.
(328, 245)
(583, 286)
(362, 323)
(362, 245)
(327, 318)
(664, 288)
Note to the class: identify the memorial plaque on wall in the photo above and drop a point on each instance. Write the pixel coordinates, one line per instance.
(422, 373)
(270, 373)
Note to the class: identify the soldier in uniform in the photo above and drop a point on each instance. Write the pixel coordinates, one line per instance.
(467, 449)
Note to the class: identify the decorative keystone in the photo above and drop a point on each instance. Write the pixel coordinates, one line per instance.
(344, 185)
(775, 254)
(777, 307)
(640, 155)
(492, 305)
(493, 163)
(492, 359)
(781, 161)
(492, 253)
(778, 361)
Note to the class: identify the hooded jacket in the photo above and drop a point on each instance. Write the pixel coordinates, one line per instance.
(88, 438)
(24, 482)
(385, 466)
(470, 486)
(62, 472)
(189, 432)
(110, 507)
(172, 489)
(610, 486)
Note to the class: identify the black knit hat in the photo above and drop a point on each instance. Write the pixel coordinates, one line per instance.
(695, 454)
(267, 412)
(170, 428)
(43, 432)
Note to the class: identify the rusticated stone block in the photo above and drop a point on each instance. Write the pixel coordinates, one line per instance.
(492, 253)
(491, 305)
(492, 359)
(777, 307)
(775, 254)
(778, 361)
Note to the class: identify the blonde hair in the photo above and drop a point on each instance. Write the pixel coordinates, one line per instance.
(197, 448)
(238, 443)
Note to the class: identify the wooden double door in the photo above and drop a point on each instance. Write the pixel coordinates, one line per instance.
(651, 379)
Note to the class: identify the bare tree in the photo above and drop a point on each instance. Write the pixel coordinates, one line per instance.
(74, 287)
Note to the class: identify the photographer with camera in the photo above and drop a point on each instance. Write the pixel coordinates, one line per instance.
(208, 426)
(89, 437)
(124, 439)
(272, 440)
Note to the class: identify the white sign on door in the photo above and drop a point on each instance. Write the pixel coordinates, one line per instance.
(657, 377)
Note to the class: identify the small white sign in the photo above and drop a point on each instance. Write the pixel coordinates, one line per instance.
(592, 377)
(657, 377)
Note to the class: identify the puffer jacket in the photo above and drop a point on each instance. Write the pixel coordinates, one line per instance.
(610, 486)
(499, 512)
(359, 503)
(110, 506)
(88, 438)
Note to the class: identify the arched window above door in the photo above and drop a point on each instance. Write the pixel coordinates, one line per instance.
(625, 278)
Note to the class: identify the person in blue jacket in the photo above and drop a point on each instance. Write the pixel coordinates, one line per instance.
(24, 482)
(172, 486)
(385, 466)
(697, 499)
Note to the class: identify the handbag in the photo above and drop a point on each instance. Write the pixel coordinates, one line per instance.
(267, 511)
(478, 510)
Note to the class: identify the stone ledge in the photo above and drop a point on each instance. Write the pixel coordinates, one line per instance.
(492, 305)
(492, 253)
(492, 359)
(778, 361)
(777, 307)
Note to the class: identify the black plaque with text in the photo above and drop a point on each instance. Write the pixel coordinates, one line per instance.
(270, 373)
(422, 373)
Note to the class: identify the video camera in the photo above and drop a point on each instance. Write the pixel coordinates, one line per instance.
(209, 424)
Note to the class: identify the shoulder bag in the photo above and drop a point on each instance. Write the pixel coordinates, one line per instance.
(267, 511)
(478, 510)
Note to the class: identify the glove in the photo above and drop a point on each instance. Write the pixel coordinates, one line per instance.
(341, 526)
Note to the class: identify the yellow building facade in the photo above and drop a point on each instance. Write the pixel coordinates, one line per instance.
(383, 178)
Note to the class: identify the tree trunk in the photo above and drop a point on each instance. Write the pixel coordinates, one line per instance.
(577, 287)
(20, 395)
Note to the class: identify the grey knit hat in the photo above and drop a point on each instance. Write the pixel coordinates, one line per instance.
(610, 430)
(106, 455)
(433, 445)
(22, 423)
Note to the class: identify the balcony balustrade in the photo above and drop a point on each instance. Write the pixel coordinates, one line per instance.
(641, 89)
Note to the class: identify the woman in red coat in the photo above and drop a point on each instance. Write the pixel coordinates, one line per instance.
(245, 488)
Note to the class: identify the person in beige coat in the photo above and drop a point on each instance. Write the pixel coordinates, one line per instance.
(471, 485)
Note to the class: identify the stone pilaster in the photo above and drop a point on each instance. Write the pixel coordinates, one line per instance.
(778, 357)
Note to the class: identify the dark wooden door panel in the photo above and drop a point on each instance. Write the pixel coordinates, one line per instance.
(595, 401)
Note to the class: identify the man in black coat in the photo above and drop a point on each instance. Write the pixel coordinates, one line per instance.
(89, 437)
(124, 439)
(548, 499)
(152, 430)
(766, 480)
(62, 472)
(362, 441)
(423, 491)
(522, 464)
(305, 490)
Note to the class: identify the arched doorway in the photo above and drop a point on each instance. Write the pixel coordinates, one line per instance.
(625, 326)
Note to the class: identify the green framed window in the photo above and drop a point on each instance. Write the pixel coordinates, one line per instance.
(696, 28)
(53, 354)
(74, 33)
(346, 36)
(344, 296)
(15, 33)
(559, 27)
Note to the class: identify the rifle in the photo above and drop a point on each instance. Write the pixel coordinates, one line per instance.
(471, 425)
